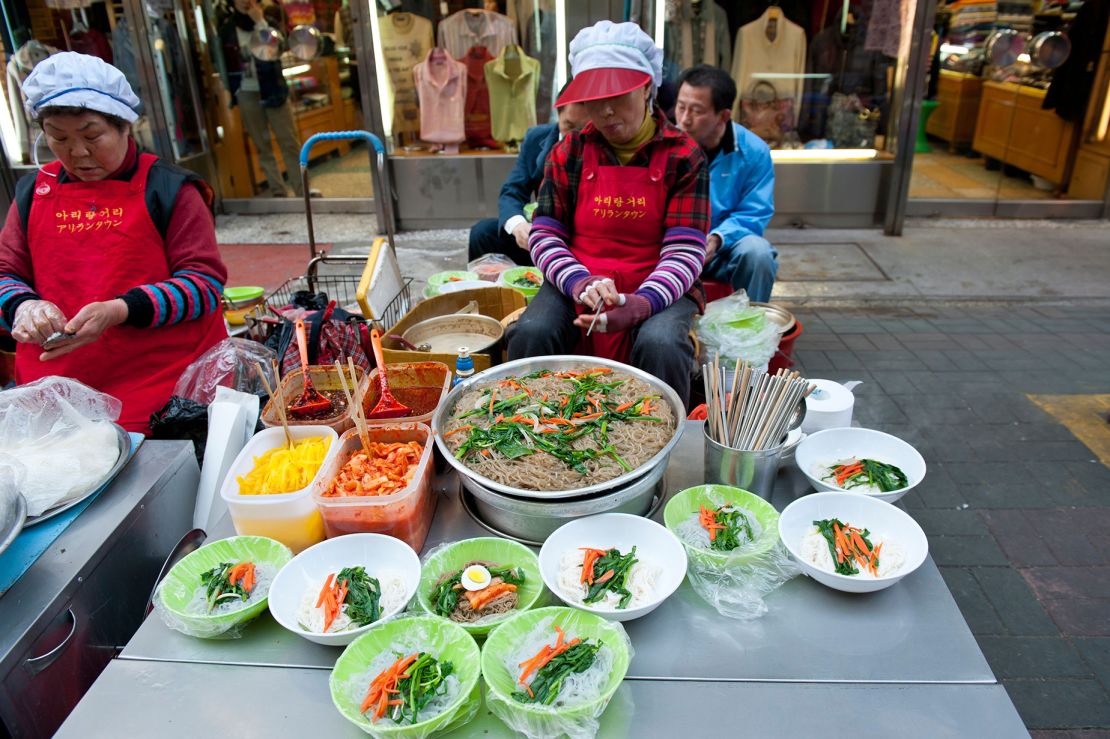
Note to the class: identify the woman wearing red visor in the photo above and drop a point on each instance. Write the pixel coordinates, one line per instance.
(619, 231)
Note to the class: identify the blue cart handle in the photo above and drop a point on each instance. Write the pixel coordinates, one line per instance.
(337, 136)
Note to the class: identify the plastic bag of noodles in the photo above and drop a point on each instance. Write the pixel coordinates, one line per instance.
(552, 672)
(737, 559)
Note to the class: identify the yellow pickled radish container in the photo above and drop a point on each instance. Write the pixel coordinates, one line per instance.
(266, 466)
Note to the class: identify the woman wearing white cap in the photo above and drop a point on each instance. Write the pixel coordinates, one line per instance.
(109, 271)
(619, 231)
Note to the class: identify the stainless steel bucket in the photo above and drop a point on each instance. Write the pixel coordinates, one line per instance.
(748, 470)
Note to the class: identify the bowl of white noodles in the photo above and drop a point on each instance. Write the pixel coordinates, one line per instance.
(852, 543)
(338, 589)
(616, 565)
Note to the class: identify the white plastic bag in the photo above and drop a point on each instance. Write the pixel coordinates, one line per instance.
(734, 329)
(57, 436)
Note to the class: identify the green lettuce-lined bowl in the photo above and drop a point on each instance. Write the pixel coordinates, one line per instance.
(506, 639)
(529, 291)
(452, 557)
(444, 640)
(177, 589)
(687, 503)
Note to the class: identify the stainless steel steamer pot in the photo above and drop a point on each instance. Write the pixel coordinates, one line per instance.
(556, 362)
(534, 520)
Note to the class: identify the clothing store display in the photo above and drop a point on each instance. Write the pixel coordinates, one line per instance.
(844, 66)
(889, 18)
(765, 49)
(92, 42)
(513, 79)
(344, 26)
(539, 43)
(696, 32)
(19, 67)
(766, 113)
(125, 57)
(477, 117)
(406, 40)
(441, 91)
(325, 11)
(851, 125)
(1070, 89)
(468, 28)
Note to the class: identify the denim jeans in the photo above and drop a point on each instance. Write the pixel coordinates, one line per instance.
(750, 263)
(661, 345)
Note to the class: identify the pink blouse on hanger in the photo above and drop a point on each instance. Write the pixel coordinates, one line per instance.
(441, 88)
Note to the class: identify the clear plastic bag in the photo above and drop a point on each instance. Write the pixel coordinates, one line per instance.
(737, 588)
(489, 267)
(735, 583)
(60, 433)
(196, 627)
(230, 364)
(543, 722)
(737, 331)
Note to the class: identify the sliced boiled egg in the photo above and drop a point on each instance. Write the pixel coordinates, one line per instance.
(476, 577)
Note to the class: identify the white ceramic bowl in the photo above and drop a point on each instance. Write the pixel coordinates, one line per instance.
(891, 523)
(381, 555)
(655, 545)
(831, 445)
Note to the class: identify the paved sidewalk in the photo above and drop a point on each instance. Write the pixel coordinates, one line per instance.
(1017, 511)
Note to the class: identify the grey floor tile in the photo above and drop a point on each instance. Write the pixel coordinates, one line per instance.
(1055, 704)
(966, 551)
(1096, 653)
(1017, 607)
(1033, 657)
(980, 614)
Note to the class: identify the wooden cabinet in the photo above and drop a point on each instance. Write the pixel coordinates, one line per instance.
(958, 97)
(1013, 128)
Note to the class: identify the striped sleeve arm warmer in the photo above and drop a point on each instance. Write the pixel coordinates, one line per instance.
(186, 296)
(680, 263)
(14, 292)
(548, 244)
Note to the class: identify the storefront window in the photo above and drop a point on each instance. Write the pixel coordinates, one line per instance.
(465, 77)
(1010, 96)
(36, 29)
(811, 77)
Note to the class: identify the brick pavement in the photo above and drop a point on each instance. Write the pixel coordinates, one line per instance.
(1016, 509)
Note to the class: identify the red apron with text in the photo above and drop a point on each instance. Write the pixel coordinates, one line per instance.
(93, 241)
(618, 233)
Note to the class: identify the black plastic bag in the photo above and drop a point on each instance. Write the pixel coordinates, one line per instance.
(181, 418)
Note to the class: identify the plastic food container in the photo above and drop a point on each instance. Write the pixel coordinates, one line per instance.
(291, 518)
(528, 291)
(326, 379)
(421, 386)
(406, 514)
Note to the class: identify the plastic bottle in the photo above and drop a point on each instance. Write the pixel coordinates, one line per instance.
(464, 366)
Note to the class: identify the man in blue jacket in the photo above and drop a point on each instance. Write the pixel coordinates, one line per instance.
(508, 233)
(741, 183)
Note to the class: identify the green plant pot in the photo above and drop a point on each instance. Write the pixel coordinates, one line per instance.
(489, 549)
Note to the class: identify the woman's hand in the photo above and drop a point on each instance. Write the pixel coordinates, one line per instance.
(593, 291)
(631, 312)
(36, 321)
(87, 326)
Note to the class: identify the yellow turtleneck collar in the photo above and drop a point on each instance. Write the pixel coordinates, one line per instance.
(625, 152)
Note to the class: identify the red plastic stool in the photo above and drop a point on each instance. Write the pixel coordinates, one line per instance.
(716, 290)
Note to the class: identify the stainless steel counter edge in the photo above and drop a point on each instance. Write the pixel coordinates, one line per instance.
(59, 572)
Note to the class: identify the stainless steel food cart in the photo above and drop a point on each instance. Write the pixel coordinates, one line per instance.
(899, 662)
